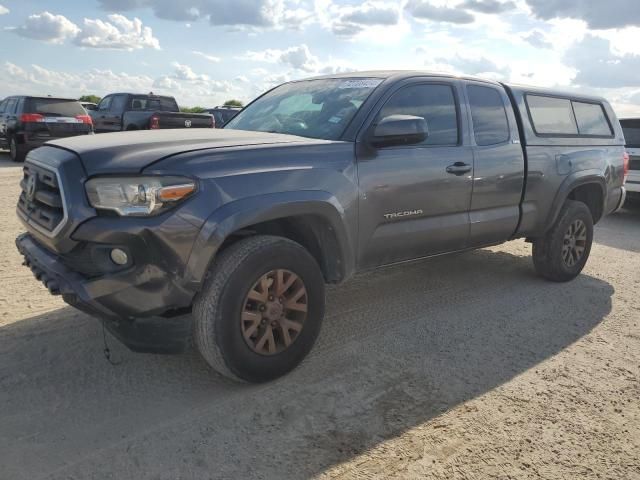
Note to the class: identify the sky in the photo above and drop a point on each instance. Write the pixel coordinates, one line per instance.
(204, 52)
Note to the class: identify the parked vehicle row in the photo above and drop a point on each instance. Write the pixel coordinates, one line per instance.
(314, 181)
(223, 114)
(28, 122)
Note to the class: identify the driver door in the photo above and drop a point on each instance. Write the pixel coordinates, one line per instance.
(415, 199)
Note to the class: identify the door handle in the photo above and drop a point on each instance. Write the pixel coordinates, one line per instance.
(459, 168)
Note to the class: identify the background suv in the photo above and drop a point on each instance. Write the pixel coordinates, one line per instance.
(223, 114)
(28, 122)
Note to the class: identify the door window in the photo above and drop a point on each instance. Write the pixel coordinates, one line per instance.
(118, 103)
(3, 104)
(490, 124)
(105, 103)
(436, 103)
(11, 105)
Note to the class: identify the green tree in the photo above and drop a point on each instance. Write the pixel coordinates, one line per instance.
(193, 109)
(233, 103)
(89, 98)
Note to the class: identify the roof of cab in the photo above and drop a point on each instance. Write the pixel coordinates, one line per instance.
(398, 75)
(401, 74)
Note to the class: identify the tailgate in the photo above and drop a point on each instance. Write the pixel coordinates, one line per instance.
(57, 127)
(184, 120)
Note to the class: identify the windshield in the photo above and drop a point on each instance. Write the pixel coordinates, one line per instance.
(311, 108)
(631, 130)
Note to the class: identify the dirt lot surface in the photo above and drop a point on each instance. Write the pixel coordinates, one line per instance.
(462, 367)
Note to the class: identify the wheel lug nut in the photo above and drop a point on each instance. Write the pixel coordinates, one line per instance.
(274, 323)
(271, 297)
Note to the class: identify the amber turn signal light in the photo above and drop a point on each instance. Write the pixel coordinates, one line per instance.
(175, 192)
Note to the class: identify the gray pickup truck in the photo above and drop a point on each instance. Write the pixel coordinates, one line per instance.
(229, 236)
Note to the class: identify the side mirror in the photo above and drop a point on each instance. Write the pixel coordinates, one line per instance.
(399, 130)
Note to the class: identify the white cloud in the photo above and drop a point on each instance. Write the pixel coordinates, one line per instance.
(476, 65)
(3, 10)
(488, 7)
(425, 10)
(537, 39)
(299, 57)
(47, 27)
(255, 13)
(42, 81)
(118, 33)
(352, 20)
(37, 80)
(185, 72)
(598, 66)
(206, 56)
(599, 14)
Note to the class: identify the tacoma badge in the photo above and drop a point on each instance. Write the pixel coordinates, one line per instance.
(407, 213)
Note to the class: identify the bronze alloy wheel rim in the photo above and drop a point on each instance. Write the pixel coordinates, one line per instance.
(575, 242)
(274, 312)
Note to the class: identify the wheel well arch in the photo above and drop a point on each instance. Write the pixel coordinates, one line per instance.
(592, 195)
(312, 231)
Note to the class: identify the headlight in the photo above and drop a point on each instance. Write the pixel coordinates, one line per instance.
(139, 196)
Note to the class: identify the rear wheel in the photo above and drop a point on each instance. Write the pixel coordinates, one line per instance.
(16, 151)
(260, 310)
(562, 253)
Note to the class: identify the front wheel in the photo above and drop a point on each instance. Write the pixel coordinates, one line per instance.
(260, 310)
(562, 253)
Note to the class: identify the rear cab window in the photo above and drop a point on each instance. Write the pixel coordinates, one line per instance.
(566, 117)
(146, 103)
(54, 107)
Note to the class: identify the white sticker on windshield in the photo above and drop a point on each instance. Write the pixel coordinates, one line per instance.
(364, 83)
(335, 120)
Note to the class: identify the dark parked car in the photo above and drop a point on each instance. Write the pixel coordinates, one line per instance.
(129, 111)
(223, 114)
(28, 122)
(312, 182)
(89, 105)
(631, 128)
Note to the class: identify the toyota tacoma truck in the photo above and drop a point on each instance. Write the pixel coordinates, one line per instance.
(229, 236)
(129, 111)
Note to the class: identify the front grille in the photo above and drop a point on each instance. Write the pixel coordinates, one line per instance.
(41, 200)
(634, 162)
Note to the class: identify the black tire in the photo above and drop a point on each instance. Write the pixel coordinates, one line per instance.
(553, 258)
(218, 308)
(16, 151)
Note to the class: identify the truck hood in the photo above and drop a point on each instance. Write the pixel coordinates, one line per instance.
(131, 152)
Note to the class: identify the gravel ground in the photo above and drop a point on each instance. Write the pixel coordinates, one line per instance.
(467, 366)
